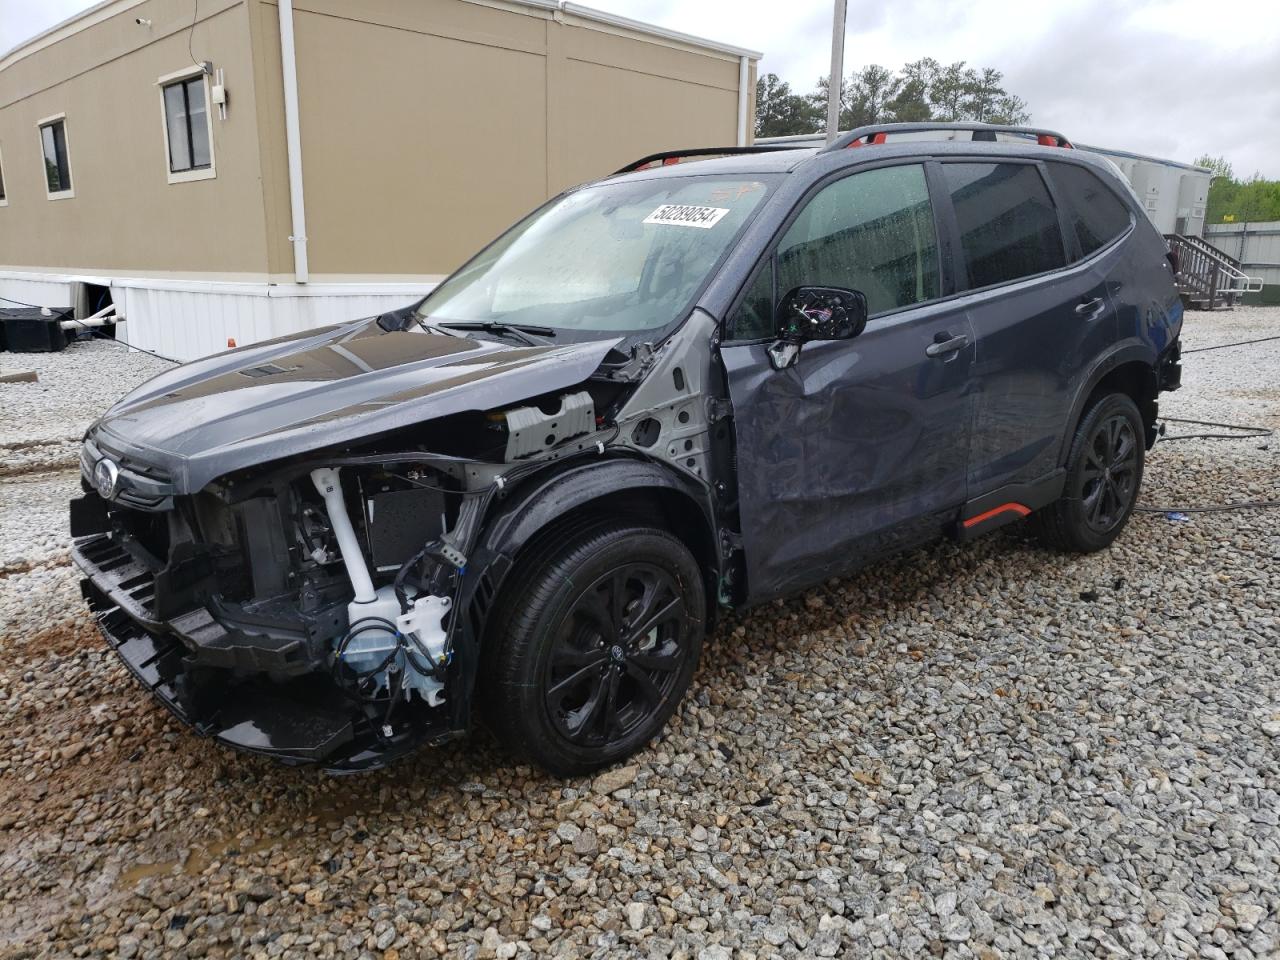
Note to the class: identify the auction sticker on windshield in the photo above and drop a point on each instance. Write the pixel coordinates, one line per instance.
(687, 215)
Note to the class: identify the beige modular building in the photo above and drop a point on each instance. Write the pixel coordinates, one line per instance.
(241, 169)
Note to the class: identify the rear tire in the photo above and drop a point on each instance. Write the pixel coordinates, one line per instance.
(1104, 475)
(593, 646)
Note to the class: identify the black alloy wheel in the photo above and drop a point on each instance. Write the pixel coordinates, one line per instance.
(1110, 473)
(592, 645)
(617, 655)
(1104, 474)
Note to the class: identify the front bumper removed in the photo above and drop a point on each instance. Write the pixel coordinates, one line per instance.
(302, 721)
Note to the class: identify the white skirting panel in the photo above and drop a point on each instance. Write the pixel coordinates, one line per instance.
(183, 319)
(38, 292)
(186, 324)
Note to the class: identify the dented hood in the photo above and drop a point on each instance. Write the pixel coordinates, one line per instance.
(321, 389)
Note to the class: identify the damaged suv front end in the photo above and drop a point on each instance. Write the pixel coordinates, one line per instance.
(295, 546)
(261, 605)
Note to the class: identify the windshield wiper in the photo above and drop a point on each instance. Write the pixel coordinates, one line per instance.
(521, 331)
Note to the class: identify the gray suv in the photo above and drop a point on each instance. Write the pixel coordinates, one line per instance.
(686, 387)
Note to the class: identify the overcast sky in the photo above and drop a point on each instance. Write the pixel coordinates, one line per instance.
(1172, 78)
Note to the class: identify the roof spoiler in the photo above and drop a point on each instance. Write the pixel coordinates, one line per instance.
(877, 133)
(669, 157)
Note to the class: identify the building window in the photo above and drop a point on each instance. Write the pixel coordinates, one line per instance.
(4, 197)
(57, 163)
(188, 139)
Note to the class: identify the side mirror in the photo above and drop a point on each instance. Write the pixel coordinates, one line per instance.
(816, 313)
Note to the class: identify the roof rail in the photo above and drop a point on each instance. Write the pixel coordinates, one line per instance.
(668, 157)
(876, 133)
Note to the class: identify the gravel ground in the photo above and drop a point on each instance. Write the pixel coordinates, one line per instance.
(972, 751)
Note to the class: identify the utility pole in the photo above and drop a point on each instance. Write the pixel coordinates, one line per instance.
(836, 80)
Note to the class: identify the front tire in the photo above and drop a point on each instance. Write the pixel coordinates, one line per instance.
(593, 646)
(1104, 475)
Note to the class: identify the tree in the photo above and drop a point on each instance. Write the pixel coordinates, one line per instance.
(1254, 199)
(1218, 165)
(779, 112)
(1009, 109)
(869, 95)
(951, 91)
(818, 103)
(864, 97)
(920, 91)
(984, 93)
(910, 100)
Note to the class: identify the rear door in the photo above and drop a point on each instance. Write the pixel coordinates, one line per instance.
(1039, 320)
(862, 445)
(1101, 224)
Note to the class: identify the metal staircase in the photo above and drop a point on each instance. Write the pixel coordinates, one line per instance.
(1207, 278)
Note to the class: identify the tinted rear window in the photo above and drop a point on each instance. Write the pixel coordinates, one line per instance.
(1096, 214)
(1008, 225)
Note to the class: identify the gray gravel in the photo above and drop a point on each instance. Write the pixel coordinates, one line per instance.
(971, 751)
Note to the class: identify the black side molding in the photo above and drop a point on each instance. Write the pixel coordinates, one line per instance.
(1011, 502)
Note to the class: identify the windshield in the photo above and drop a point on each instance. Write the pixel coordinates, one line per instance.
(614, 257)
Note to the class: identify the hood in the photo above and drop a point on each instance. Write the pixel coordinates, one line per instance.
(321, 389)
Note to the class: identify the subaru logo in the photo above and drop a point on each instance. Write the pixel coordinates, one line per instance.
(105, 477)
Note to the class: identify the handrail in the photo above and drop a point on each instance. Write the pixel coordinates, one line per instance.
(1206, 270)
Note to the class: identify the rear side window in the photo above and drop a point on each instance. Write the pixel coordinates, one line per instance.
(1096, 214)
(1008, 225)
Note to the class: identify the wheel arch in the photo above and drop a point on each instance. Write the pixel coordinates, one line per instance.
(1129, 370)
(575, 497)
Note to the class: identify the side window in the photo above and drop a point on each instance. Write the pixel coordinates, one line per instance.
(188, 142)
(1008, 226)
(57, 165)
(1096, 214)
(871, 231)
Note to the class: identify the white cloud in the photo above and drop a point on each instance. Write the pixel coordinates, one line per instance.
(1171, 78)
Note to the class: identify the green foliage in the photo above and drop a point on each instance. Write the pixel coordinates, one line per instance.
(1218, 165)
(1235, 201)
(781, 113)
(920, 91)
(1255, 200)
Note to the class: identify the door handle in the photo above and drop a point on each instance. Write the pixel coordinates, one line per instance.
(941, 348)
(1091, 308)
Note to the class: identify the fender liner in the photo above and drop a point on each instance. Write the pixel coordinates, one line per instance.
(545, 498)
(1120, 355)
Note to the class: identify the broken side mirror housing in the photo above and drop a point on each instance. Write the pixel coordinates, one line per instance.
(816, 313)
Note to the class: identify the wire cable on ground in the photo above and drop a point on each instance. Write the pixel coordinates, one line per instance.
(1246, 432)
(1214, 507)
(1223, 346)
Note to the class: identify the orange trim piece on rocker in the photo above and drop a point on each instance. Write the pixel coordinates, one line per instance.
(995, 511)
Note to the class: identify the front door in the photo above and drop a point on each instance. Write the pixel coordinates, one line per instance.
(861, 446)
